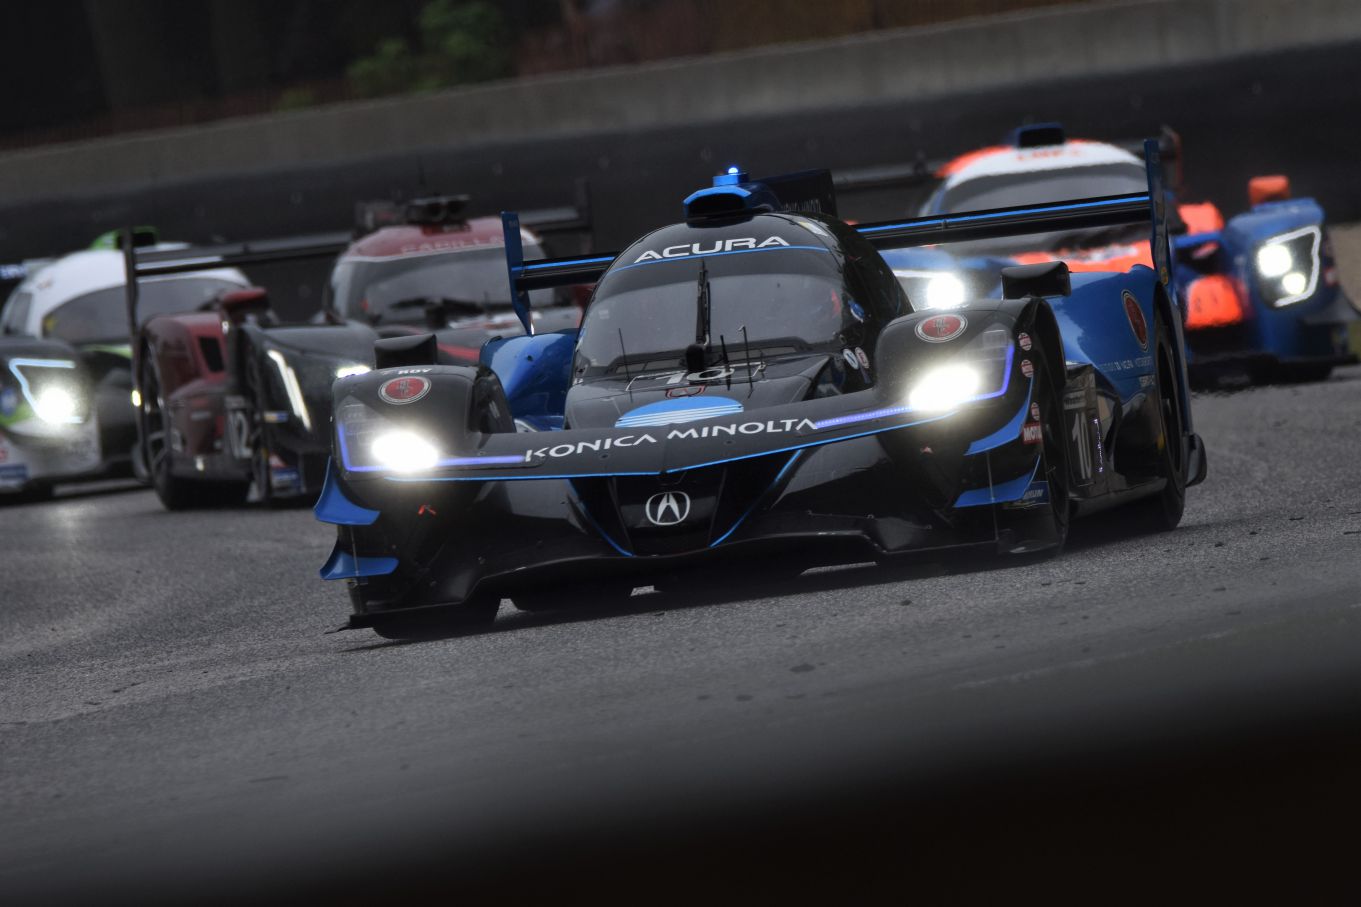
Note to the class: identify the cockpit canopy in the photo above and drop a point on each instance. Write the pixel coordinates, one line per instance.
(767, 283)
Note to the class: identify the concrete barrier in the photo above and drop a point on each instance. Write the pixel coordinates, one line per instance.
(913, 64)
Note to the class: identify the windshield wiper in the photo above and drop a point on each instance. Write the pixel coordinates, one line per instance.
(703, 305)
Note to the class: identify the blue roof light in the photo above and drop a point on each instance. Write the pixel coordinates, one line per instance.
(733, 176)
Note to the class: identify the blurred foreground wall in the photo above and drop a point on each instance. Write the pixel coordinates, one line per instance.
(902, 65)
(1254, 86)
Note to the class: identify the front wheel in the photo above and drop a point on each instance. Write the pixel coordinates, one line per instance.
(175, 492)
(1044, 531)
(1163, 511)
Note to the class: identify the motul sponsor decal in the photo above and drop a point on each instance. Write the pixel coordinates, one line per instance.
(407, 389)
(684, 250)
(940, 328)
(1135, 314)
(1023, 340)
(1031, 433)
(699, 432)
(1027, 368)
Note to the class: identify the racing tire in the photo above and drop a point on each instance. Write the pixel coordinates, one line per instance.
(174, 492)
(1162, 511)
(1051, 526)
(439, 623)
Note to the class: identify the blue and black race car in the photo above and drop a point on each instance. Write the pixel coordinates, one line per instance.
(1260, 291)
(754, 379)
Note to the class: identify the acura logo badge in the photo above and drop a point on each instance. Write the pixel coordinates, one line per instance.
(668, 508)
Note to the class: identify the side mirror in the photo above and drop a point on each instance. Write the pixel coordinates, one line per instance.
(237, 305)
(1274, 188)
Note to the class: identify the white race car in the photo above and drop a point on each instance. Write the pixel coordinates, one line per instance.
(80, 301)
(48, 429)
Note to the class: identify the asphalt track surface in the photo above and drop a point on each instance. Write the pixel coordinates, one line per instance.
(176, 722)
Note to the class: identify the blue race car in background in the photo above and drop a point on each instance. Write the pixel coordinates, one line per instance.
(754, 379)
(1260, 293)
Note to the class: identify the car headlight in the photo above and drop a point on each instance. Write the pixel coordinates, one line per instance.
(404, 451)
(1288, 266)
(56, 405)
(292, 388)
(356, 368)
(944, 388)
(944, 291)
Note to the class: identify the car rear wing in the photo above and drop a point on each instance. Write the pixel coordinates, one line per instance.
(141, 262)
(1076, 214)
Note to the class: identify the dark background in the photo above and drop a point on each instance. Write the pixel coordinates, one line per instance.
(1295, 112)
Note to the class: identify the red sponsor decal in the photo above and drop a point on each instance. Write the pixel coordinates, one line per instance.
(407, 389)
(1024, 340)
(940, 328)
(1137, 324)
(1027, 369)
(689, 390)
(1035, 411)
(1031, 433)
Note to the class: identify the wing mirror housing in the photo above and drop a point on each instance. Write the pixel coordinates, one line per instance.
(1048, 278)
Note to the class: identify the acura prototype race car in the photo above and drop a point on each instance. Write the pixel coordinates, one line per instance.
(1260, 292)
(755, 379)
(235, 404)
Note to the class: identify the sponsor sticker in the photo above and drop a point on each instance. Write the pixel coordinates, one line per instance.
(1036, 494)
(940, 328)
(850, 357)
(1035, 411)
(1023, 340)
(684, 250)
(1031, 433)
(1027, 368)
(857, 312)
(1135, 314)
(407, 389)
(689, 390)
(864, 360)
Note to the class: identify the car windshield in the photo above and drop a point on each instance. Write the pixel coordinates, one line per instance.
(396, 289)
(790, 298)
(1012, 189)
(102, 316)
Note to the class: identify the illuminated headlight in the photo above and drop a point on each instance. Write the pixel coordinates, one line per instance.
(55, 404)
(944, 388)
(136, 398)
(1274, 260)
(944, 291)
(346, 371)
(404, 451)
(1288, 266)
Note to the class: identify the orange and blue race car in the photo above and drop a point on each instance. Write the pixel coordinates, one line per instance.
(1260, 290)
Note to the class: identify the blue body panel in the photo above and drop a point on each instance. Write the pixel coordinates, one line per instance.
(535, 373)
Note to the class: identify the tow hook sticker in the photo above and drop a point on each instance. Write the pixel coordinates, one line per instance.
(407, 389)
(1135, 314)
(940, 328)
